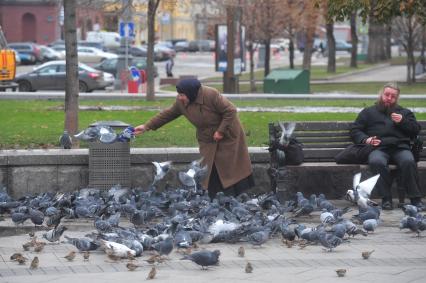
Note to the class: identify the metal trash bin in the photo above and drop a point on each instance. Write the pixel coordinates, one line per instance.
(109, 164)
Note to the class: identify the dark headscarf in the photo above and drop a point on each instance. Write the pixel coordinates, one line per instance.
(189, 87)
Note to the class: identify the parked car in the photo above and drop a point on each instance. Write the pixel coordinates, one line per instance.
(136, 51)
(200, 45)
(181, 46)
(95, 44)
(28, 48)
(52, 76)
(23, 58)
(341, 45)
(110, 65)
(165, 53)
(49, 54)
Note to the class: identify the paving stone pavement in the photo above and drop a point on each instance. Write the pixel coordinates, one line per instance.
(399, 256)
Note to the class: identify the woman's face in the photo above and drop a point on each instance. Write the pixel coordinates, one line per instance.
(183, 98)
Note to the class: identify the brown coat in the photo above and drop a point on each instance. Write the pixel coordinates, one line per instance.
(212, 112)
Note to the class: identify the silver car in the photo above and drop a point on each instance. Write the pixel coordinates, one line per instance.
(52, 76)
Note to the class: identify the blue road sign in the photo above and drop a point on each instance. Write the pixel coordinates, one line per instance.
(127, 29)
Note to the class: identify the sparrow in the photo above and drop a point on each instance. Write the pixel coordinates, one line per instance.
(70, 256)
(21, 259)
(131, 266)
(86, 255)
(366, 254)
(31, 234)
(15, 256)
(249, 268)
(34, 263)
(241, 251)
(152, 259)
(26, 246)
(152, 273)
(39, 246)
(130, 256)
(341, 272)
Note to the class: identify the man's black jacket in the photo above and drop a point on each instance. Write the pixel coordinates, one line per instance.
(376, 121)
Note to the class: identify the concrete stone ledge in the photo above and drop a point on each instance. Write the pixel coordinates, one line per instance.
(35, 171)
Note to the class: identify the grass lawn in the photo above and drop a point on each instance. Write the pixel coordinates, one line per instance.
(38, 124)
(357, 88)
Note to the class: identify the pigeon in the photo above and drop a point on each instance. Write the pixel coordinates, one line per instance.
(366, 254)
(370, 225)
(89, 134)
(70, 256)
(195, 174)
(259, 238)
(249, 268)
(82, 244)
(329, 241)
(362, 190)
(204, 258)
(410, 210)
(164, 247)
(107, 135)
(152, 273)
(286, 133)
(54, 234)
(34, 263)
(116, 249)
(65, 140)
(161, 169)
(241, 251)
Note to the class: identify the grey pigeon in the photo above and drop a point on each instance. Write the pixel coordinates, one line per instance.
(54, 234)
(204, 258)
(89, 134)
(65, 140)
(416, 224)
(370, 225)
(329, 240)
(107, 135)
(83, 244)
(259, 238)
(164, 247)
(410, 210)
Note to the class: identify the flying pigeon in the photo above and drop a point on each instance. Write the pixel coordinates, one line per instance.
(161, 170)
(286, 132)
(362, 190)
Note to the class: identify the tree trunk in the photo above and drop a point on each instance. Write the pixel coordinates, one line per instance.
(331, 46)
(307, 53)
(291, 51)
(252, 78)
(267, 56)
(388, 46)
(152, 10)
(354, 36)
(411, 65)
(71, 59)
(376, 38)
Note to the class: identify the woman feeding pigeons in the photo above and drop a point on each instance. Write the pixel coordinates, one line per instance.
(219, 133)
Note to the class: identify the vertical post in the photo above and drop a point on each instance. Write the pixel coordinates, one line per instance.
(230, 81)
(123, 60)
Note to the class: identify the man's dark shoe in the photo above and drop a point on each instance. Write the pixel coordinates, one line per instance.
(387, 204)
(418, 203)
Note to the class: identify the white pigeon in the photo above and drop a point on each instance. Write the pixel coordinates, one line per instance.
(362, 190)
(194, 175)
(161, 170)
(222, 226)
(286, 132)
(116, 249)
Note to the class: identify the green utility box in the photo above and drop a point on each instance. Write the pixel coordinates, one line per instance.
(287, 81)
(361, 57)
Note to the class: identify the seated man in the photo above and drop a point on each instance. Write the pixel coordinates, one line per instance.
(389, 127)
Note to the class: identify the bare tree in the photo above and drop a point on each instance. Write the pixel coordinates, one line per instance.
(292, 12)
(71, 59)
(408, 31)
(310, 23)
(354, 36)
(152, 11)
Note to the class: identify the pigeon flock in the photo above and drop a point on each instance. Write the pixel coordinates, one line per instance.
(184, 218)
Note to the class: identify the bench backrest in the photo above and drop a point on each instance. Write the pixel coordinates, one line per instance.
(323, 140)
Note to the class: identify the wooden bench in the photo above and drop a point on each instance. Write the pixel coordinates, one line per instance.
(321, 142)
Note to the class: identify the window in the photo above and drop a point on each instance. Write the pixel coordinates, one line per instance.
(48, 70)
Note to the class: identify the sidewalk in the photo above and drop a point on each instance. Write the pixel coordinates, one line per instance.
(399, 256)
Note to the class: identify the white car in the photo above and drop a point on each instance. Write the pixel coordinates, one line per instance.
(87, 54)
(93, 55)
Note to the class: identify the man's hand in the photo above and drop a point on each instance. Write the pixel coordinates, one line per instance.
(374, 141)
(396, 117)
(217, 136)
(140, 129)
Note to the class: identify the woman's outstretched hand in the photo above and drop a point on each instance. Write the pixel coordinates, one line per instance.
(139, 130)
